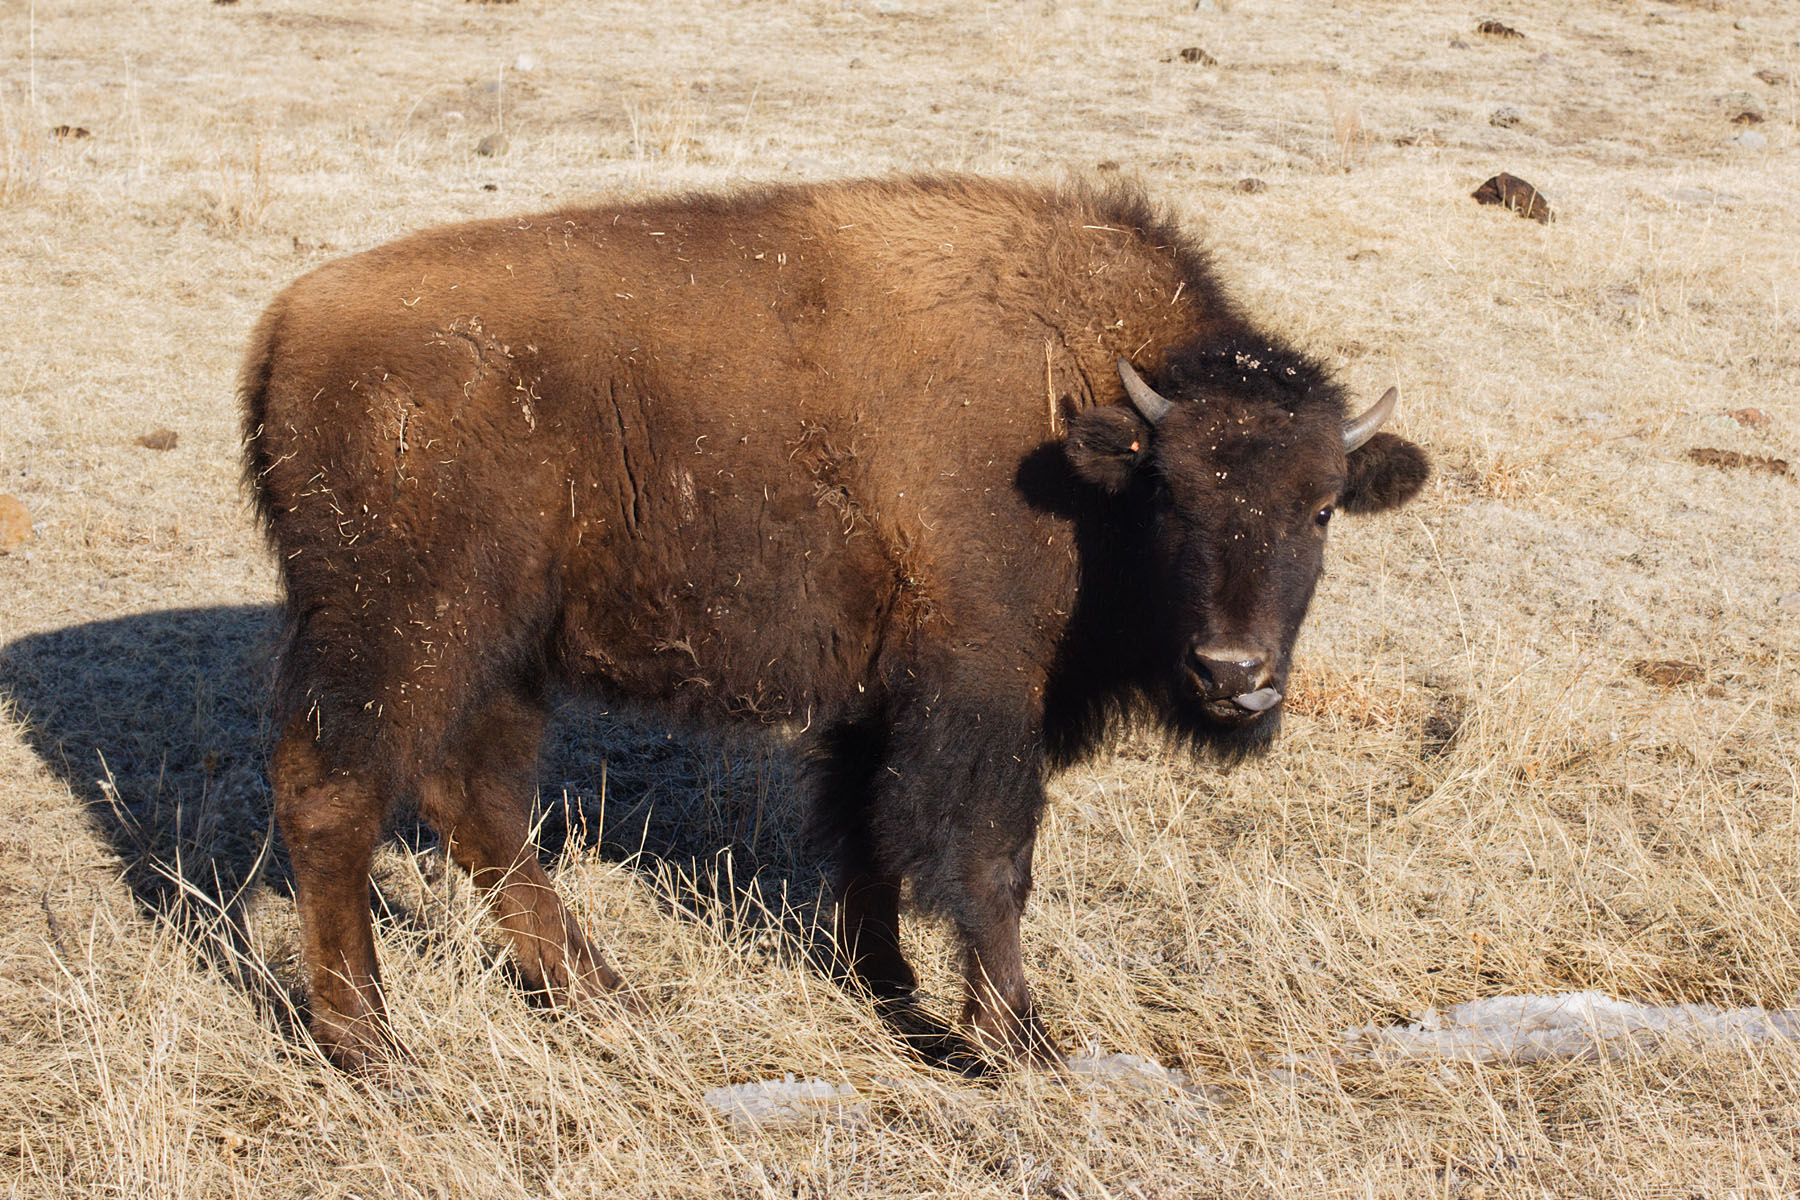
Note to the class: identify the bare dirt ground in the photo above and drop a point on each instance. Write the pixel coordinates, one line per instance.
(1543, 734)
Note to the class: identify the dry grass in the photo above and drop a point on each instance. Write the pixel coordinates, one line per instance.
(1483, 788)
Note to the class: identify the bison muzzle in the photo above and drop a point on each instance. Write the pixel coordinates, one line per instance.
(872, 457)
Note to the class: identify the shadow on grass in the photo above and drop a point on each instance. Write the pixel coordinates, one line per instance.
(155, 723)
(159, 726)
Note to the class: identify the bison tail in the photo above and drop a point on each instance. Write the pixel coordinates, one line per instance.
(253, 396)
(254, 379)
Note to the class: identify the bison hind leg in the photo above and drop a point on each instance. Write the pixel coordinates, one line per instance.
(480, 804)
(331, 818)
(840, 777)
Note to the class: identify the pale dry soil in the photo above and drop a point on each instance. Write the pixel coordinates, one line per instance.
(1543, 731)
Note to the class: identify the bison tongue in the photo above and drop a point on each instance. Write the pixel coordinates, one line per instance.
(1260, 700)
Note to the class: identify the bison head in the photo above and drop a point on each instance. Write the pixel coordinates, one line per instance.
(1224, 489)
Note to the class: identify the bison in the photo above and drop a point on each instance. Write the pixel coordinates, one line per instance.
(869, 458)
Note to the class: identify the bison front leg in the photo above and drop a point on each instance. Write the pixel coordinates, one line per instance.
(965, 793)
(999, 1012)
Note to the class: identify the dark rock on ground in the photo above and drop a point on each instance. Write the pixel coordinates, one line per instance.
(1515, 194)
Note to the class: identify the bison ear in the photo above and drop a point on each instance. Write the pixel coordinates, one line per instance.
(1385, 472)
(1104, 445)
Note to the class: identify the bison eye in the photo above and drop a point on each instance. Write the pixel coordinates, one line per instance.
(1322, 518)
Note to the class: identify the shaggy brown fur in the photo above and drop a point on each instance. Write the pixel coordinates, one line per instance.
(847, 454)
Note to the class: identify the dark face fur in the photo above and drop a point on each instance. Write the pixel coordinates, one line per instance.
(1229, 492)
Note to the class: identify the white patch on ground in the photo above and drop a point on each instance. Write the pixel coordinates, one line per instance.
(779, 1101)
(1140, 1073)
(1131, 1070)
(1578, 1025)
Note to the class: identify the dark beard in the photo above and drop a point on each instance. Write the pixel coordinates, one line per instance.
(1076, 731)
(1184, 721)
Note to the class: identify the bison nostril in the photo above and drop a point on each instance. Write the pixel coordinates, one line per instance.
(1225, 671)
(1199, 665)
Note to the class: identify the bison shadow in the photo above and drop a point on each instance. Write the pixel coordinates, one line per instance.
(158, 725)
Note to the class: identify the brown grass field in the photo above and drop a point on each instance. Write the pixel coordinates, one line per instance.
(1544, 730)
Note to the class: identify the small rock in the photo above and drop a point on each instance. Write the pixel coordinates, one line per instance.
(1108, 164)
(1749, 140)
(1206, 6)
(1772, 77)
(1742, 108)
(491, 146)
(1251, 184)
(526, 63)
(888, 8)
(490, 187)
(1668, 672)
(1515, 194)
(1457, 43)
(1791, 600)
(1495, 29)
(1727, 460)
(1755, 418)
(1194, 54)
(15, 524)
(807, 166)
(1506, 116)
(160, 439)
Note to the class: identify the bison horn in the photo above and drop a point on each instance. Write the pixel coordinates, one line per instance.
(1358, 430)
(1150, 406)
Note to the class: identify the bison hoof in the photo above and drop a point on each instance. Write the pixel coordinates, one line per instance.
(562, 985)
(1008, 1040)
(364, 1048)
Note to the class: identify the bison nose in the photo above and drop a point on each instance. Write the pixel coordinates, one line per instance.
(1224, 672)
